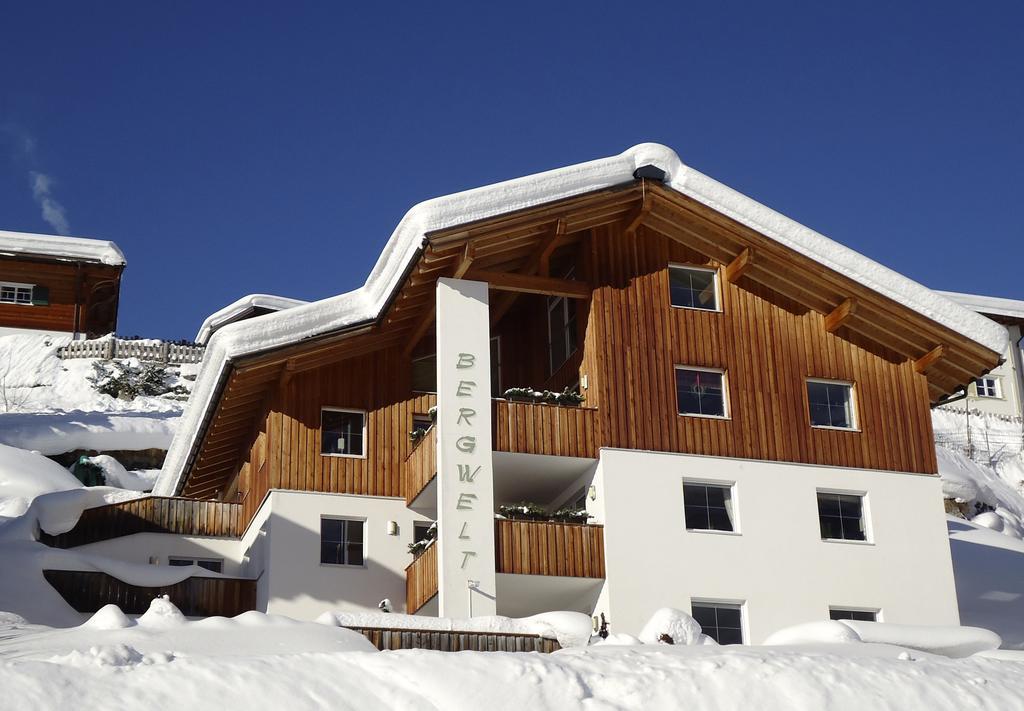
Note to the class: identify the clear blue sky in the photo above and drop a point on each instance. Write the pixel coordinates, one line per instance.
(231, 148)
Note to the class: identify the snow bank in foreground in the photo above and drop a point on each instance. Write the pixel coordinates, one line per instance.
(948, 641)
(227, 665)
(670, 626)
(571, 629)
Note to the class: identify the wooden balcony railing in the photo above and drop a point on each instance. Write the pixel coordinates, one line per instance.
(543, 548)
(421, 580)
(421, 465)
(88, 591)
(456, 641)
(530, 428)
(151, 514)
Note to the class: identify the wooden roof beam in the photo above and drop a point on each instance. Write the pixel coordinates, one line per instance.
(635, 217)
(840, 315)
(468, 255)
(524, 284)
(737, 267)
(930, 358)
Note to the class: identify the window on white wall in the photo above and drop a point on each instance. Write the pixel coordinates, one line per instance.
(701, 392)
(708, 507)
(341, 541)
(988, 387)
(841, 613)
(693, 287)
(214, 564)
(831, 404)
(841, 516)
(721, 621)
(342, 432)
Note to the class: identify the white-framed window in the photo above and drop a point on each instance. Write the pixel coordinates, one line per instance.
(562, 336)
(424, 370)
(709, 506)
(842, 516)
(342, 541)
(701, 392)
(694, 287)
(988, 386)
(831, 404)
(342, 432)
(15, 293)
(863, 614)
(214, 564)
(721, 621)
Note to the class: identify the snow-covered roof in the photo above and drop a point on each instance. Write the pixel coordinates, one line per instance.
(56, 247)
(367, 302)
(236, 310)
(992, 305)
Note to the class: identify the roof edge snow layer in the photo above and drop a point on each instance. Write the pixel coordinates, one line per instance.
(366, 303)
(994, 305)
(59, 247)
(236, 308)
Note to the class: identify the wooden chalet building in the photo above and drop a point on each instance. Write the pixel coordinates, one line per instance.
(53, 284)
(754, 441)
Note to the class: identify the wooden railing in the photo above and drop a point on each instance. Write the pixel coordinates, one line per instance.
(158, 351)
(88, 591)
(454, 641)
(543, 548)
(421, 580)
(421, 465)
(530, 428)
(151, 514)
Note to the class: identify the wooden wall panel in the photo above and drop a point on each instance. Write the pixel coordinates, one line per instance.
(61, 279)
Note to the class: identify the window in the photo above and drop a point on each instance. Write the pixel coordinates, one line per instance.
(495, 366)
(988, 387)
(841, 516)
(721, 621)
(562, 336)
(839, 613)
(700, 391)
(421, 531)
(422, 422)
(341, 541)
(11, 293)
(831, 404)
(424, 371)
(342, 432)
(707, 507)
(213, 564)
(693, 287)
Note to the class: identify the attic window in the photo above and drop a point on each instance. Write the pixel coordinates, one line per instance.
(693, 287)
(988, 387)
(342, 432)
(12, 293)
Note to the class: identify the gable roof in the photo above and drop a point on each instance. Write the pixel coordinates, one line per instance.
(77, 249)
(991, 305)
(367, 303)
(242, 309)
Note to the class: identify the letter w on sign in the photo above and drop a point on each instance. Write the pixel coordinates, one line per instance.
(466, 475)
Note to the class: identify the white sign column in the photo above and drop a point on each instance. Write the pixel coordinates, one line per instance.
(465, 489)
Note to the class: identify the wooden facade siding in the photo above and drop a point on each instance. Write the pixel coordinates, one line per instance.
(532, 428)
(421, 580)
(151, 514)
(421, 465)
(384, 638)
(88, 591)
(546, 548)
(82, 297)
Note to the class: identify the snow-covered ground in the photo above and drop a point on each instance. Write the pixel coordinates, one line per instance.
(48, 404)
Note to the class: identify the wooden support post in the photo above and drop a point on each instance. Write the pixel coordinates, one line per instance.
(929, 359)
(740, 265)
(840, 315)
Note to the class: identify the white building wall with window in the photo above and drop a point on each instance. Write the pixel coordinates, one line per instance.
(775, 564)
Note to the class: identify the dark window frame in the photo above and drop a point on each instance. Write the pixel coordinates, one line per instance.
(724, 390)
(693, 516)
(214, 565)
(343, 547)
(732, 633)
(363, 436)
(861, 614)
(850, 407)
(837, 517)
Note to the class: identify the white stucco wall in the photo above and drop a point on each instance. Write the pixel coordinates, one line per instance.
(1011, 383)
(777, 564)
(299, 586)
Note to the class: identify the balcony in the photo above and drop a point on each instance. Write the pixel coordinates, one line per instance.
(537, 428)
(421, 468)
(570, 555)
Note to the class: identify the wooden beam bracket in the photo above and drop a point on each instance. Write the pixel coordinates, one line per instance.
(737, 267)
(929, 359)
(840, 315)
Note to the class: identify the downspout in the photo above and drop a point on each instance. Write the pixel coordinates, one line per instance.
(78, 301)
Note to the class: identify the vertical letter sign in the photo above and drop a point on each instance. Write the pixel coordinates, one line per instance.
(465, 491)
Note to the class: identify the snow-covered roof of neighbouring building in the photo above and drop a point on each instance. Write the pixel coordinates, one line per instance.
(237, 310)
(56, 247)
(993, 305)
(367, 302)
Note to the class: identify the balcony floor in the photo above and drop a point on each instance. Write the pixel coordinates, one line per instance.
(525, 595)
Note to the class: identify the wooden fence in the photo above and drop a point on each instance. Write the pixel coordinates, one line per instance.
(454, 641)
(88, 591)
(421, 465)
(534, 428)
(542, 548)
(151, 514)
(421, 580)
(108, 348)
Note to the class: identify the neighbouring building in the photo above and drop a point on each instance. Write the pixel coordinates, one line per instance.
(244, 308)
(1001, 390)
(52, 284)
(753, 444)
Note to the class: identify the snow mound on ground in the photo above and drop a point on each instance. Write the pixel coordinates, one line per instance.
(948, 641)
(571, 629)
(116, 475)
(676, 624)
(25, 475)
(163, 613)
(108, 617)
(115, 655)
(823, 632)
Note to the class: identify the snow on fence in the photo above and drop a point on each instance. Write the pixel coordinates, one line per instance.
(150, 350)
(384, 638)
